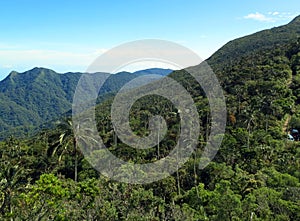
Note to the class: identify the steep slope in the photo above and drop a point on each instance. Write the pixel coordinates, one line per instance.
(265, 39)
(260, 76)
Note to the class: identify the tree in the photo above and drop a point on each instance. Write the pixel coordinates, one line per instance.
(65, 143)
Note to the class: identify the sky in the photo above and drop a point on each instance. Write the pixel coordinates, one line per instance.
(69, 35)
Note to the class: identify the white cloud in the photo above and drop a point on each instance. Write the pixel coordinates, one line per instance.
(7, 66)
(271, 16)
(259, 17)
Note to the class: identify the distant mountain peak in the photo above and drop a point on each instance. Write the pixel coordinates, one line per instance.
(40, 69)
(157, 71)
(11, 76)
(34, 72)
(13, 73)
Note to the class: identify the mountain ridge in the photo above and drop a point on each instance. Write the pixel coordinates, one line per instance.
(34, 97)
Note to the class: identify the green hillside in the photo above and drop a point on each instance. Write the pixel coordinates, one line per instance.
(263, 40)
(40, 95)
(34, 97)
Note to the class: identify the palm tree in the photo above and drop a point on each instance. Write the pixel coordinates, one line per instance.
(65, 141)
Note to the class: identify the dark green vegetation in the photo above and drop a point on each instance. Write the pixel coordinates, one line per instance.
(263, 40)
(30, 99)
(255, 175)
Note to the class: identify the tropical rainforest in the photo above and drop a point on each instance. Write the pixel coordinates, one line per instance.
(254, 176)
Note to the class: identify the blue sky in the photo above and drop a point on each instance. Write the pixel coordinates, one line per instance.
(68, 35)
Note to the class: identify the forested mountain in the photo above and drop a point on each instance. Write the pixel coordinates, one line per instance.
(263, 40)
(34, 97)
(41, 95)
(254, 176)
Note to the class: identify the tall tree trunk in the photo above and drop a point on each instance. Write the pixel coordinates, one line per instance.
(195, 175)
(158, 140)
(76, 160)
(178, 181)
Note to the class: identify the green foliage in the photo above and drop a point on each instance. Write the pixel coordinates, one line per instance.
(265, 39)
(37, 97)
